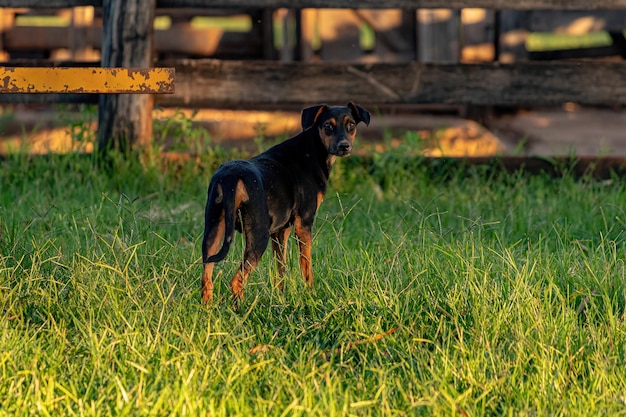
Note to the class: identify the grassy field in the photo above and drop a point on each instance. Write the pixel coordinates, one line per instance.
(437, 292)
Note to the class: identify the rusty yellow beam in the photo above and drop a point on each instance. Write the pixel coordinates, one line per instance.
(86, 80)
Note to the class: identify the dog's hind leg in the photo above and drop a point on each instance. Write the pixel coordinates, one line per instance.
(255, 219)
(255, 246)
(213, 235)
(279, 246)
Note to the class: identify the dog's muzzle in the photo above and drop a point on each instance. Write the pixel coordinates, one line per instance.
(343, 148)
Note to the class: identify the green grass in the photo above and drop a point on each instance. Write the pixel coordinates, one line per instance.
(438, 292)
(542, 41)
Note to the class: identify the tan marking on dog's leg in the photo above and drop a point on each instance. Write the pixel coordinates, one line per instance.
(320, 198)
(241, 194)
(305, 242)
(236, 285)
(207, 283)
(207, 280)
(240, 278)
(279, 246)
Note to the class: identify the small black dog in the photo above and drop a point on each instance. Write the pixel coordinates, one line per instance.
(271, 193)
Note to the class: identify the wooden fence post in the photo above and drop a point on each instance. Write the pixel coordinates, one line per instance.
(124, 120)
(438, 35)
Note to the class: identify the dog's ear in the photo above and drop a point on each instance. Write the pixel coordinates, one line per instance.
(310, 115)
(359, 113)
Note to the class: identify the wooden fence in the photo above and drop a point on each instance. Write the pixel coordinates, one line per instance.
(244, 83)
(362, 4)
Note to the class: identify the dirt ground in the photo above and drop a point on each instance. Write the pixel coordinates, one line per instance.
(561, 132)
(564, 131)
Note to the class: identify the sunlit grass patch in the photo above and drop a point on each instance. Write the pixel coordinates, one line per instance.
(438, 292)
(544, 41)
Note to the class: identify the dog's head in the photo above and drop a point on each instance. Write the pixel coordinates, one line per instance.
(336, 125)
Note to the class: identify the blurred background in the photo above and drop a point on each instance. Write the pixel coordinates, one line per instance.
(550, 121)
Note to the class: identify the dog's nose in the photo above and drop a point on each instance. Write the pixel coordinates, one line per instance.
(344, 146)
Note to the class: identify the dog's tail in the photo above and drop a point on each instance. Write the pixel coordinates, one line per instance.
(227, 202)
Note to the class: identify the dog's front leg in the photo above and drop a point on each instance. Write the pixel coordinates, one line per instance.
(305, 242)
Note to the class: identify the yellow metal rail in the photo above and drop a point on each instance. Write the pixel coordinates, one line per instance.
(87, 80)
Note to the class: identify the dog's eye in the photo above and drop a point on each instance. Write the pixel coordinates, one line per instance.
(350, 126)
(328, 127)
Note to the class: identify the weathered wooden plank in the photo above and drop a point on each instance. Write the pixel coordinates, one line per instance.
(249, 84)
(181, 39)
(364, 4)
(86, 80)
(25, 38)
(405, 4)
(50, 4)
(578, 53)
(244, 83)
(41, 98)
